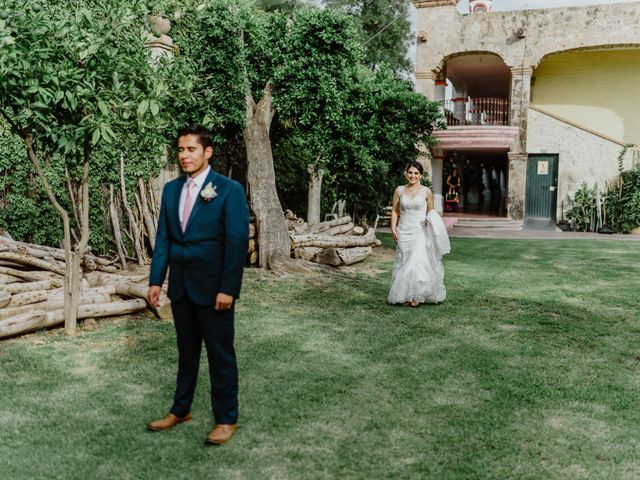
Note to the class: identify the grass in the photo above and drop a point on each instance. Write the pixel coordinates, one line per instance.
(529, 369)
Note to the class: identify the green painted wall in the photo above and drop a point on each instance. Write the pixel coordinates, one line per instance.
(597, 89)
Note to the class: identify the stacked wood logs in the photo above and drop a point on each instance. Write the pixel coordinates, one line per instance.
(336, 242)
(253, 243)
(32, 294)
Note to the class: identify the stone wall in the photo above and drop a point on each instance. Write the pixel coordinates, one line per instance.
(583, 155)
(545, 31)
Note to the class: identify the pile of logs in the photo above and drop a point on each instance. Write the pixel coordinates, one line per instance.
(336, 242)
(253, 243)
(32, 295)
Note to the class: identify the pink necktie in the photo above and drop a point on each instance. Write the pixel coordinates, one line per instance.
(188, 203)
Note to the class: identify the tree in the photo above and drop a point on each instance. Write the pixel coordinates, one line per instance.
(320, 54)
(284, 6)
(73, 79)
(385, 123)
(385, 31)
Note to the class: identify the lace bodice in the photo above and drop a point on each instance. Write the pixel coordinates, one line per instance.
(413, 208)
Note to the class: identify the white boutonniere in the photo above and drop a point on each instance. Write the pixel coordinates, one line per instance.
(208, 192)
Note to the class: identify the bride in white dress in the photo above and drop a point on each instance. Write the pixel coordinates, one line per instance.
(422, 240)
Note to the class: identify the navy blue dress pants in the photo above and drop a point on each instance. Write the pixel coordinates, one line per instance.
(194, 324)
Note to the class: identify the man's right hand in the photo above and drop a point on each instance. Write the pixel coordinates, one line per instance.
(154, 295)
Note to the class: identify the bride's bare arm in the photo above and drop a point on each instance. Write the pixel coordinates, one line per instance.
(429, 200)
(395, 213)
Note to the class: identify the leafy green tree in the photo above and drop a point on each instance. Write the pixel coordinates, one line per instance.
(385, 31)
(381, 132)
(284, 6)
(320, 54)
(73, 79)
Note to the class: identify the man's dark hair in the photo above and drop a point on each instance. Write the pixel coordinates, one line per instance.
(204, 136)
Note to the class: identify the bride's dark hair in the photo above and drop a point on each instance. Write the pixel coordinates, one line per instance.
(415, 164)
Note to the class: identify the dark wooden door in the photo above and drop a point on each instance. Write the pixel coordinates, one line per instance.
(542, 187)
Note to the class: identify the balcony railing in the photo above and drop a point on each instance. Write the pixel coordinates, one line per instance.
(476, 111)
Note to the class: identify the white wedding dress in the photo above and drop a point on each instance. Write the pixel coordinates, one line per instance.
(418, 273)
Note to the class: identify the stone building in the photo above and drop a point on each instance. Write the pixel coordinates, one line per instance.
(536, 101)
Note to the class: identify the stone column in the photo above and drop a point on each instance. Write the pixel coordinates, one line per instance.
(520, 96)
(517, 183)
(437, 164)
(426, 84)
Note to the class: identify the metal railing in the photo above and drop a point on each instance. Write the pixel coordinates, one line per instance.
(476, 111)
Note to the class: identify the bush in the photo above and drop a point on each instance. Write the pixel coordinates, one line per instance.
(584, 207)
(622, 201)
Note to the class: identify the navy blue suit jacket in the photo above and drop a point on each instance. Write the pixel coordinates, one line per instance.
(209, 257)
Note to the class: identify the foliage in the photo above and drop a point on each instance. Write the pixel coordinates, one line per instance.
(76, 78)
(385, 31)
(583, 208)
(209, 71)
(25, 210)
(284, 6)
(320, 50)
(622, 203)
(381, 129)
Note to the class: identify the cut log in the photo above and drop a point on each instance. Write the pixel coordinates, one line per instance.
(22, 287)
(349, 256)
(5, 298)
(327, 256)
(52, 304)
(34, 320)
(322, 226)
(29, 276)
(306, 253)
(358, 231)
(27, 298)
(252, 245)
(299, 229)
(128, 288)
(327, 241)
(27, 260)
(24, 322)
(252, 230)
(8, 279)
(87, 292)
(339, 229)
(42, 251)
(96, 279)
(253, 258)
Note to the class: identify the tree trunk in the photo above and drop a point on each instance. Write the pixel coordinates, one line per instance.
(133, 224)
(315, 192)
(115, 222)
(71, 322)
(68, 313)
(273, 237)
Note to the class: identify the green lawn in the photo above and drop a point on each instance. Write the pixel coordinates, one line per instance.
(529, 369)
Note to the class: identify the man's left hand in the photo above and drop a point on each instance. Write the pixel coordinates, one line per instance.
(223, 301)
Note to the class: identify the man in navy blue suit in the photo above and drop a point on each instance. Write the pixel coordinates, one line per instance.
(202, 238)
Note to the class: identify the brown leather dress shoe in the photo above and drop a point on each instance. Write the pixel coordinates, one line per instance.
(168, 422)
(221, 434)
